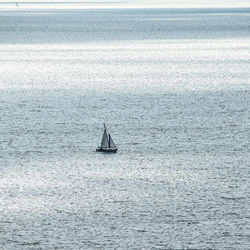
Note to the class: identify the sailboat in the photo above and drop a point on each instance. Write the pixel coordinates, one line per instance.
(107, 144)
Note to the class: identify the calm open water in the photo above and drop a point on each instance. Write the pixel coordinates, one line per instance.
(173, 88)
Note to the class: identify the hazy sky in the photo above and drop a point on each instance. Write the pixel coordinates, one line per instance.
(147, 3)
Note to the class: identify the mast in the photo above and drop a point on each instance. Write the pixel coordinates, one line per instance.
(105, 140)
(109, 140)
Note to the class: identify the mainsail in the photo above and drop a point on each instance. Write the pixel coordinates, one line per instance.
(105, 142)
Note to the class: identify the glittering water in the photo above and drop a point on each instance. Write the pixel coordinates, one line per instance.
(173, 88)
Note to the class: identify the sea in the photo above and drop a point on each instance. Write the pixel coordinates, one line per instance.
(172, 86)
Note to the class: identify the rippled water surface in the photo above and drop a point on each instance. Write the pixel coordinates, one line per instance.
(173, 89)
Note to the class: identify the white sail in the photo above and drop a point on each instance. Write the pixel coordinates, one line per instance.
(111, 142)
(105, 142)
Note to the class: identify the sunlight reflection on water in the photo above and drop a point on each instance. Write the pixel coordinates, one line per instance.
(176, 103)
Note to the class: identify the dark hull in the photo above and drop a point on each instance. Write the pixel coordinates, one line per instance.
(107, 150)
